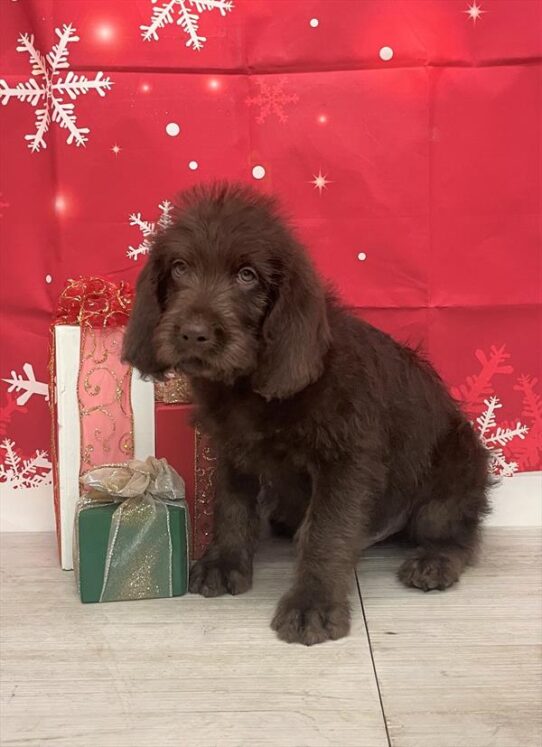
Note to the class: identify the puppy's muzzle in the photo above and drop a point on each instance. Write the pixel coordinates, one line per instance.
(196, 337)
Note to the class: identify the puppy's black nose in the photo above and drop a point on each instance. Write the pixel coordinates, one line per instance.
(197, 333)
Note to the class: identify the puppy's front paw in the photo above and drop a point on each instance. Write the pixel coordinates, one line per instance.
(302, 619)
(214, 577)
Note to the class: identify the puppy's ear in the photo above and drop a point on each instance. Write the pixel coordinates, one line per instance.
(138, 346)
(296, 334)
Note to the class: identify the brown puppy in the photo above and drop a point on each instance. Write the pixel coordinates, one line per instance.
(352, 435)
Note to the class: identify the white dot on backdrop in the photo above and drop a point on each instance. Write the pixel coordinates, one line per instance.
(173, 129)
(258, 172)
(48, 279)
(386, 53)
(362, 256)
(193, 165)
(313, 23)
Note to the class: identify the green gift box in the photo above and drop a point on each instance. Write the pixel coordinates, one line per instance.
(131, 533)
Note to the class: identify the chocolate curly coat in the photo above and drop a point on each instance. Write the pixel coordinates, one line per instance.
(352, 435)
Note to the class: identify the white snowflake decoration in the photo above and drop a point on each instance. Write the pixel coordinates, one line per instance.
(17, 472)
(494, 438)
(49, 89)
(28, 386)
(188, 14)
(148, 229)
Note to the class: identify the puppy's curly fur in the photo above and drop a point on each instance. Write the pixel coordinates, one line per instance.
(352, 435)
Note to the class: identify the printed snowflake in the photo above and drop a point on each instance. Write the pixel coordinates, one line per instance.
(495, 438)
(16, 472)
(7, 410)
(28, 386)
(49, 89)
(148, 229)
(474, 393)
(515, 447)
(529, 452)
(188, 12)
(271, 99)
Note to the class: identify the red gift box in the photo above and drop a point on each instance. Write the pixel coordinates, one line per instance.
(188, 451)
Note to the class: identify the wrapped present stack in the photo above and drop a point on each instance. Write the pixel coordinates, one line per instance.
(131, 536)
(103, 412)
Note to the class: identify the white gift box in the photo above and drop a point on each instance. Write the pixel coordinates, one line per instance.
(67, 430)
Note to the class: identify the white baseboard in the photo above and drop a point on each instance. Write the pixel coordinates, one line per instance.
(517, 502)
(27, 510)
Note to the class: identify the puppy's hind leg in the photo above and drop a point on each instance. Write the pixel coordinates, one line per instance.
(287, 499)
(446, 526)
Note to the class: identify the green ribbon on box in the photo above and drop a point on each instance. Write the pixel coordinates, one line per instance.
(139, 552)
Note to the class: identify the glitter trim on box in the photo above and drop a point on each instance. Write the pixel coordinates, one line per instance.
(173, 391)
(205, 466)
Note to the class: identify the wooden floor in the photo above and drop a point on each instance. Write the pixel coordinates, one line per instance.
(455, 669)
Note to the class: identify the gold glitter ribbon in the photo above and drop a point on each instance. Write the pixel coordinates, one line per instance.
(139, 552)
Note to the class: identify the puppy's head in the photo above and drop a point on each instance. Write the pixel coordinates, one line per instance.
(228, 293)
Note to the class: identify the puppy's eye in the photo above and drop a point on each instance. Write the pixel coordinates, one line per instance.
(179, 268)
(247, 276)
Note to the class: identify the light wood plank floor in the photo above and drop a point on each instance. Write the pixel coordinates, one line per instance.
(461, 668)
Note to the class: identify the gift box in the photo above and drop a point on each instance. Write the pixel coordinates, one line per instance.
(181, 442)
(131, 538)
(102, 410)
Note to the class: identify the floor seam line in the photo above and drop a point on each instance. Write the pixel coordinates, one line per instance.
(382, 709)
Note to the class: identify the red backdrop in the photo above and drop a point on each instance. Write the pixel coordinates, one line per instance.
(403, 138)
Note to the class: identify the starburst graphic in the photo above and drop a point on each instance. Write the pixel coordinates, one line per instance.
(271, 99)
(320, 181)
(474, 12)
(116, 150)
(188, 14)
(49, 88)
